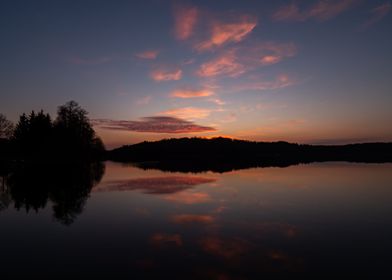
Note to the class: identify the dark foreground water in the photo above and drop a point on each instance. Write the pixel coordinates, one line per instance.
(323, 218)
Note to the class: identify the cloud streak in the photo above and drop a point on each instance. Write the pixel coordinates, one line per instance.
(322, 10)
(223, 33)
(237, 61)
(161, 74)
(191, 93)
(154, 124)
(188, 113)
(149, 54)
(225, 64)
(377, 14)
(185, 19)
(281, 81)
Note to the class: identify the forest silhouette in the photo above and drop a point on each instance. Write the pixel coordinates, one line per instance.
(45, 161)
(226, 154)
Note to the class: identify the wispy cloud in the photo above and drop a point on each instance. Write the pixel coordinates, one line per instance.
(185, 19)
(148, 54)
(281, 81)
(226, 64)
(272, 52)
(217, 101)
(188, 113)
(162, 74)
(187, 92)
(237, 61)
(322, 10)
(155, 124)
(144, 100)
(222, 33)
(377, 14)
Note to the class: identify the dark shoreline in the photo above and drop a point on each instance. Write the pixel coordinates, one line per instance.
(224, 154)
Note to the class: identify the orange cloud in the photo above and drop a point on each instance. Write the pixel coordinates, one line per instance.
(378, 14)
(270, 59)
(191, 93)
(188, 197)
(272, 52)
(322, 10)
(185, 19)
(188, 113)
(166, 74)
(190, 219)
(222, 33)
(225, 64)
(149, 54)
(236, 61)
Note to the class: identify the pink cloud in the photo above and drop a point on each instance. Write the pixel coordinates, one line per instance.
(188, 113)
(272, 52)
(281, 81)
(155, 124)
(222, 33)
(225, 64)
(322, 10)
(191, 93)
(185, 19)
(237, 61)
(161, 74)
(377, 14)
(149, 54)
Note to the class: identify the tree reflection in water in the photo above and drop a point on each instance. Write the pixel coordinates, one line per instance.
(66, 187)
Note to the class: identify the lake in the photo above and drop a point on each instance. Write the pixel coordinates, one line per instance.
(243, 224)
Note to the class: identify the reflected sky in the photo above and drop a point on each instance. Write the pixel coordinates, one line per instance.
(234, 225)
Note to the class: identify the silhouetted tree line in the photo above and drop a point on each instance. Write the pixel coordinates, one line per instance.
(225, 154)
(31, 187)
(69, 137)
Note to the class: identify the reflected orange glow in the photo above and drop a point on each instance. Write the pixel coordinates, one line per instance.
(156, 185)
(226, 248)
(160, 239)
(187, 197)
(189, 218)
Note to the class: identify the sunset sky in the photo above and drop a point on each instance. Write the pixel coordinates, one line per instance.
(300, 71)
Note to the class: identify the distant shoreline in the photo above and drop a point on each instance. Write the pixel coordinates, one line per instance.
(225, 154)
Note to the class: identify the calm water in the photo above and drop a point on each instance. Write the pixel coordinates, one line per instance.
(236, 225)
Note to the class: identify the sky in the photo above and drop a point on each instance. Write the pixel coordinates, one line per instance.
(300, 71)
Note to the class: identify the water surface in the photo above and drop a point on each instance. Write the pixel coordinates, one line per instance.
(234, 225)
